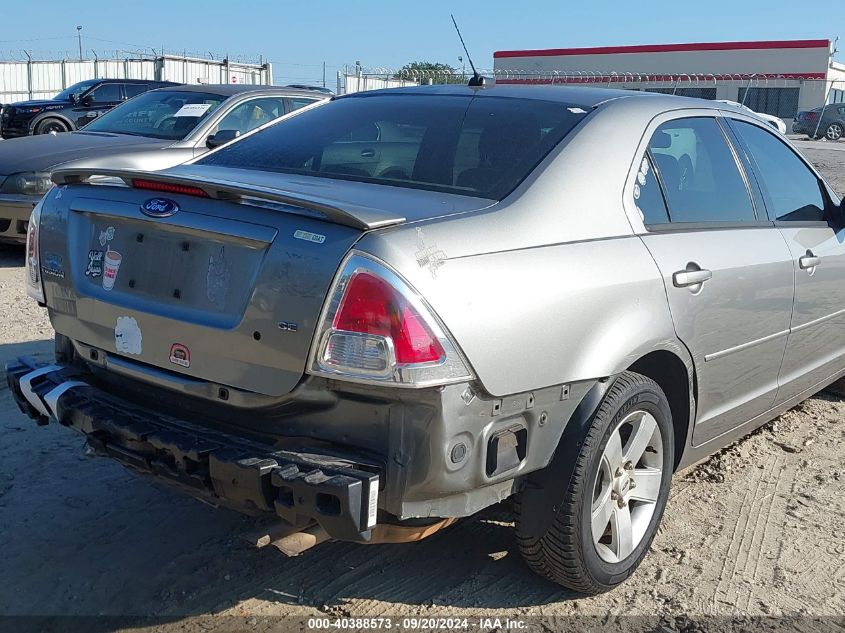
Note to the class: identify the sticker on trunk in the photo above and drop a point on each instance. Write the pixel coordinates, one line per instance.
(110, 268)
(127, 336)
(95, 264)
(308, 236)
(180, 355)
(53, 265)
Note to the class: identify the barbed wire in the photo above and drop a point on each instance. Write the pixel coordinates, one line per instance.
(120, 54)
(585, 76)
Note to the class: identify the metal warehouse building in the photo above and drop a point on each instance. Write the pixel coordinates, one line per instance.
(776, 77)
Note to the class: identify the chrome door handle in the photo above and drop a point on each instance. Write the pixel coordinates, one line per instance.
(808, 261)
(686, 278)
(368, 153)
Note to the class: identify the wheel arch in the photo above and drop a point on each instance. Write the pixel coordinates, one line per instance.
(677, 380)
(50, 115)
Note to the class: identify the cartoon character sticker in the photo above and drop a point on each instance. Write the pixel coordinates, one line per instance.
(95, 264)
(180, 355)
(127, 336)
(106, 236)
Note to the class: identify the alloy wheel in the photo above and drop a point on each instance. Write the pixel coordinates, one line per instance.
(627, 486)
(834, 132)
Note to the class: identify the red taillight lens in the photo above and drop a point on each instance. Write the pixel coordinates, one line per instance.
(372, 306)
(33, 260)
(811, 116)
(169, 187)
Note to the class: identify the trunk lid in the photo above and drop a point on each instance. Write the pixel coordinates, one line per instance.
(226, 289)
(223, 292)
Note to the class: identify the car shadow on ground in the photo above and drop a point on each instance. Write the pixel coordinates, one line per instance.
(84, 536)
(12, 256)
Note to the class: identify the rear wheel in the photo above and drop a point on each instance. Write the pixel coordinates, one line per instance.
(613, 496)
(51, 126)
(834, 132)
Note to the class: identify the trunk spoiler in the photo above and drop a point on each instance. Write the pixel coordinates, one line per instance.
(356, 216)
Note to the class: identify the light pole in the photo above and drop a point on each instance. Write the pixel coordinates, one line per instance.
(463, 68)
(79, 36)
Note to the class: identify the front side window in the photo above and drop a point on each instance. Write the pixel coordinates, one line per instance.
(699, 174)
(299, 102)
(107, 93)
(250, 114)
(790, 189)
(164, 114)
(481, 146)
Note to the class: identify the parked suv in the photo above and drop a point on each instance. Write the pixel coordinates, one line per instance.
(831, 126)
(368, 336)
(72, 108)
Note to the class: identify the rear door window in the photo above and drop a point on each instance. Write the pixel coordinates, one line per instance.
(133, 90)
(791, 190)
(478, 146)
(699, 173)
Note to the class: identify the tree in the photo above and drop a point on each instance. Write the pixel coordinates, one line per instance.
(437, 72)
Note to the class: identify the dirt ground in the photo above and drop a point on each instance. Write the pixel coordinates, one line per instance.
(757, 530)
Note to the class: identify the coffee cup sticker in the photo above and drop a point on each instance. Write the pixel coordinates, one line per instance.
(110, 268)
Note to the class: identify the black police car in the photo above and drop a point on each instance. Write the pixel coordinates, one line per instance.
(72, 108)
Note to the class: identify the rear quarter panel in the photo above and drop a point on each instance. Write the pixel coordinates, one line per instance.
(536, 317)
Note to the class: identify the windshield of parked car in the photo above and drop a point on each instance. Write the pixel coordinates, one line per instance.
(164, 114)
(75, 91)
(476, 146)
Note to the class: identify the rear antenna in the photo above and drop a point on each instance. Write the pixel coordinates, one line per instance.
(477, 81)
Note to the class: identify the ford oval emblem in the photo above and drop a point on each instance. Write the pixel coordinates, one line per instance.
(159, 208)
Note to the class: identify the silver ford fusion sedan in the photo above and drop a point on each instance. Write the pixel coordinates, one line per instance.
(397, 309)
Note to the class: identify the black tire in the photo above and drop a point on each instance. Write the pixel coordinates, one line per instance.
(566, 553)
(834, 132)
(46, 126)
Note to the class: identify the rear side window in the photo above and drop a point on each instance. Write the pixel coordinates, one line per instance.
(790, 189)
(699, 174)
(477, 146)
(647, 195)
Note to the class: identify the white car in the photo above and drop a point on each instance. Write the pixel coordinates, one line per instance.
(772, 120)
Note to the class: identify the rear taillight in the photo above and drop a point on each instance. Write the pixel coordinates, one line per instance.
(811, 116)
(377, 329)
(33, 259)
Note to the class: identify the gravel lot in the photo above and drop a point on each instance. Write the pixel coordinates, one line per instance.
(755, 531)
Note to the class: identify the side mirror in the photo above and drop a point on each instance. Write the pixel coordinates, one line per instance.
(221, 138)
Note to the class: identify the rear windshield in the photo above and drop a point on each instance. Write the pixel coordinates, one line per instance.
(477, 146)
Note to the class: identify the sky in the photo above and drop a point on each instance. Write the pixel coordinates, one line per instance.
(298, 37)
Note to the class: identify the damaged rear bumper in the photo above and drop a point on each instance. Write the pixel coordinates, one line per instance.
(300, 486)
